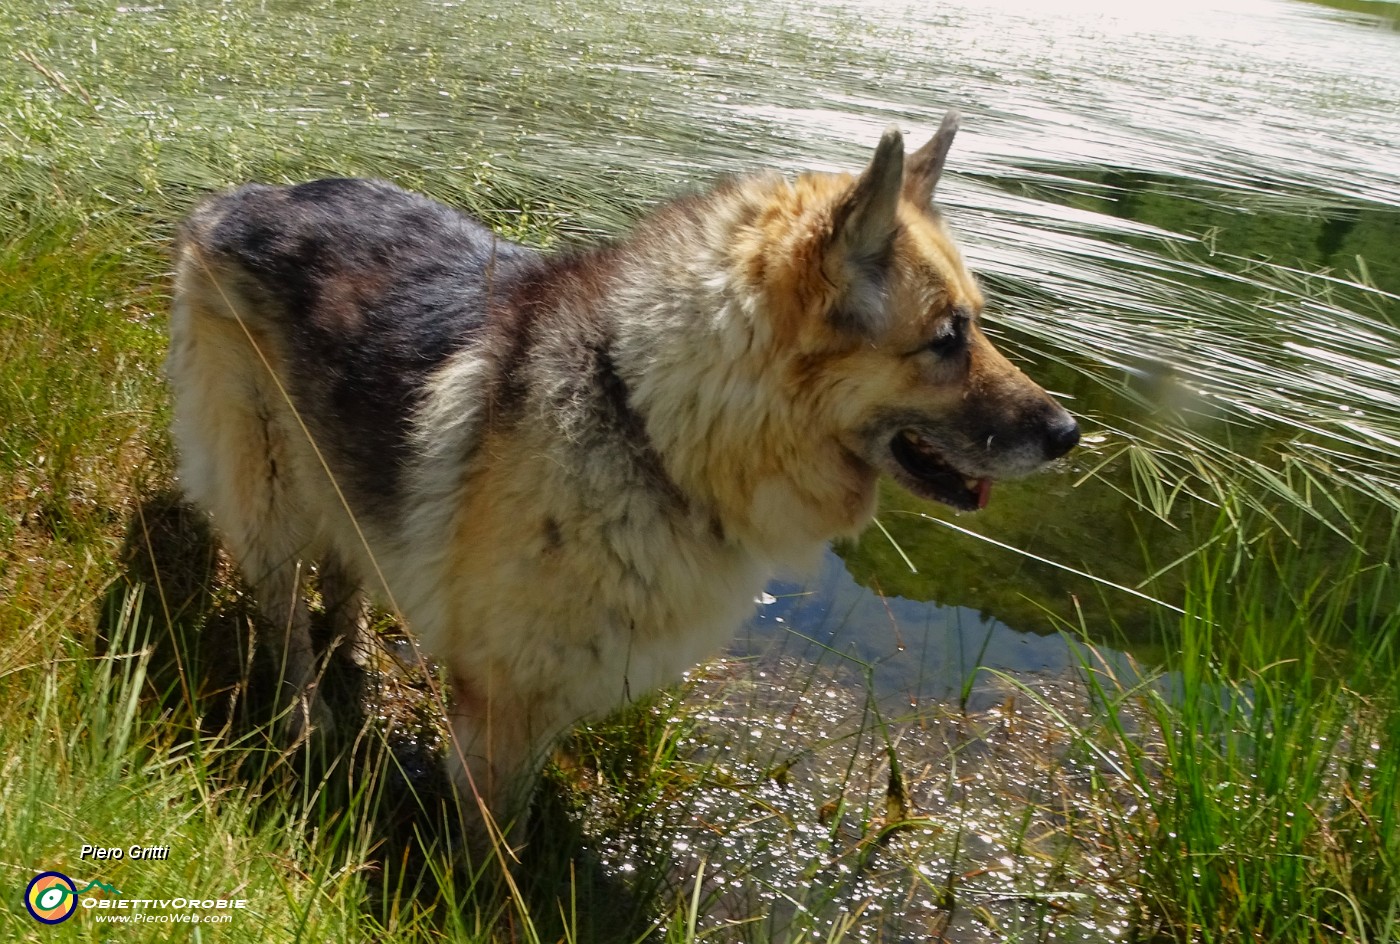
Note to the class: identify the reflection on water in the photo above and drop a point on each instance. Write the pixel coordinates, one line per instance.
(790, 835)
(906, 649)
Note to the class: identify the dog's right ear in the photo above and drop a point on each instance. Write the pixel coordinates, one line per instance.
(863, 223)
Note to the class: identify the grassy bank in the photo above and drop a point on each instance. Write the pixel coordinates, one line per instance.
(1246, 789)
(1267, 800)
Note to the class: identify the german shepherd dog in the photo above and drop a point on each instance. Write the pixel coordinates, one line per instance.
(571, 474)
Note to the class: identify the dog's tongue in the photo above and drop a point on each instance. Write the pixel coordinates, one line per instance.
(984, 493)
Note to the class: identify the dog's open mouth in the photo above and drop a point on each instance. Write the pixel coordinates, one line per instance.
(932, 476)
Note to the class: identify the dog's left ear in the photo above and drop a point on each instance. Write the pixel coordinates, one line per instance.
(926, 164)
(861, 239)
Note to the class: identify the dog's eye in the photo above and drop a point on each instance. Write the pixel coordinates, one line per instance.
(951, 336)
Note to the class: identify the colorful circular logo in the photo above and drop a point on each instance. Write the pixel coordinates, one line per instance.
(51, 897)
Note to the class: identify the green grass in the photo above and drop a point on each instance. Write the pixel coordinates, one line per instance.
(90, 763)
(1265, 799)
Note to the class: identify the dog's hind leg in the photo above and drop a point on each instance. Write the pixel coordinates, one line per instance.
(346, 606)
(240, 456)
(274, 572)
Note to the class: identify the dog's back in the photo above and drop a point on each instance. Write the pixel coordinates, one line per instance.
(365, 287)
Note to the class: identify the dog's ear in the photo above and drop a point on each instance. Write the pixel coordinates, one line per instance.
(926, 164)
(862, 237)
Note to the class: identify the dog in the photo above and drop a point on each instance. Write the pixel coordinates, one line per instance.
(571, 474)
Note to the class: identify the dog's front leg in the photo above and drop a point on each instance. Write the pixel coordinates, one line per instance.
(495, 756)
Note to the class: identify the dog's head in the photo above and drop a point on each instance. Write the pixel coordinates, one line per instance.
(888, 322)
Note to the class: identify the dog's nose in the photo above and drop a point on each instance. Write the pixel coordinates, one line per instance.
(1061, 435)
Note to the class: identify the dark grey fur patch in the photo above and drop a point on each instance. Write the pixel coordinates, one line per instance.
(371, 289)
(629, 428)
(556, 336)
